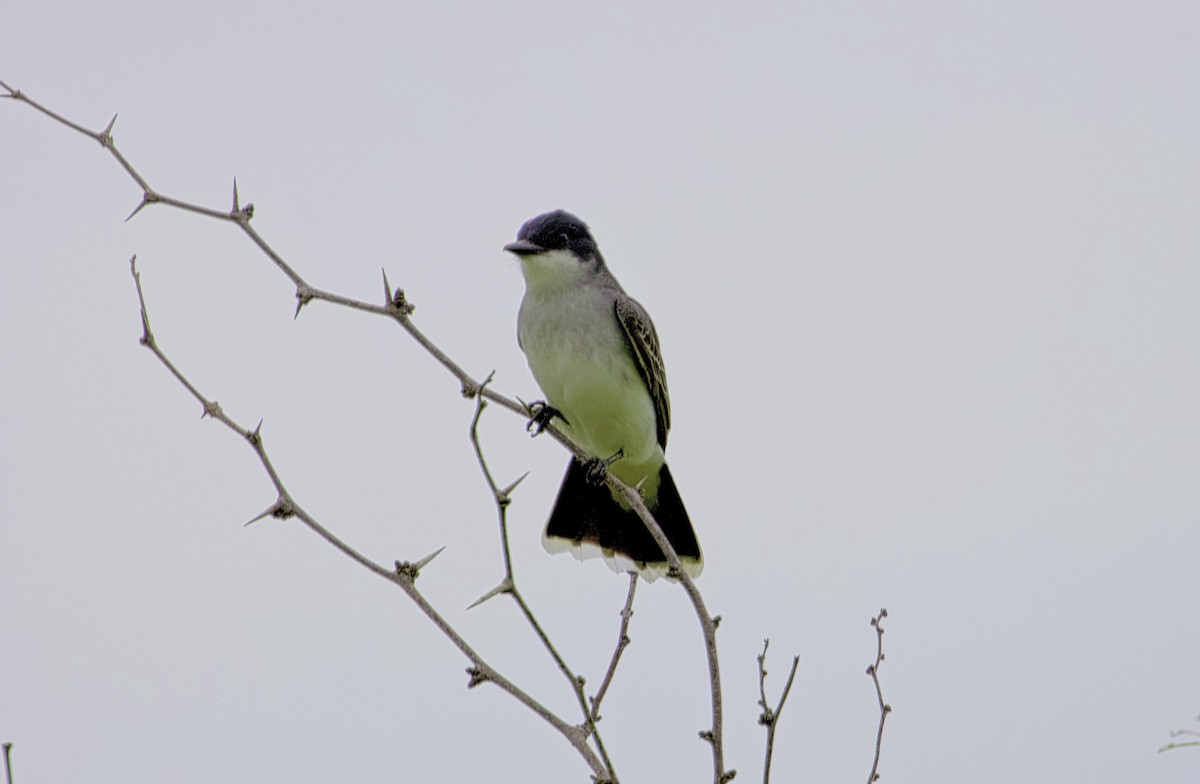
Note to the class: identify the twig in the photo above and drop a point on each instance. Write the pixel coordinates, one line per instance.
(622, 643)
(769, 717)
(396, 307)
(502, 498)
(708, 626)
(403, 576)
(7, 761)
(884, 708)
(399, 309)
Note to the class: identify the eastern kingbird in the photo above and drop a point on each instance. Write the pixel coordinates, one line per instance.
(594, 352)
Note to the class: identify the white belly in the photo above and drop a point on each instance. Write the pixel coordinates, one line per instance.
(589, 375)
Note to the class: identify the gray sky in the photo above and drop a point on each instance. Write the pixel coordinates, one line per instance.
(926, 281)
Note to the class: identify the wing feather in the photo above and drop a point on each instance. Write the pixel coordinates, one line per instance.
(642, 341)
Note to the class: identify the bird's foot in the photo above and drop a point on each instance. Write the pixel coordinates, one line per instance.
(540, 414)
(597, 468)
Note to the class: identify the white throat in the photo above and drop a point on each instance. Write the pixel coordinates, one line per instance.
(555, 270)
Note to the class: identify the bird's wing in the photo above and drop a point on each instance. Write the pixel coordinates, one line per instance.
(642, 341)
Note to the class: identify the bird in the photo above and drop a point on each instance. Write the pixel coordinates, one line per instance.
(595, 354)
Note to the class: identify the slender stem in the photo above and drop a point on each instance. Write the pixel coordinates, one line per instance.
(622, 644)
(884, 708)
(398, 309)
(708, 626)
(502, 498)
(770, 716)
(405, 574)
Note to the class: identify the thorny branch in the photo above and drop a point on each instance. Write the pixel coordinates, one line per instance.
(399, 309)
(405, 574)
(622, 643)
(769, 717)
(708, 626)
(884, 708)
(508, 585)
(396, 305)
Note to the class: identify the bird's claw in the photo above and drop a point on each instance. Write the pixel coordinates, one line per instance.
(597, 468)
(540, 414)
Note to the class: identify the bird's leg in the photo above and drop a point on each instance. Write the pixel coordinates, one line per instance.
(597, 468)
(540, 414)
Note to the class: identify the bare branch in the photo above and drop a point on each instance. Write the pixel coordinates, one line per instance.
(399, 309)
(508, 585)
(884, 708)
(708, 625)
(622, 644)
(769, 717)
(7, 746)
(404, 576)
(501, 497)
(396, 308)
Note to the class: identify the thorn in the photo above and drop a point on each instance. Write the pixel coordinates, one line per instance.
(255, 435)
(239, 213)
(148, 197)
(304, 295)
(106, 135)
(421, 564)
(410, 571)
(505, 586)
(387, 289)
(478, 676)
(506, 491)
(211, 407)
(268, 512)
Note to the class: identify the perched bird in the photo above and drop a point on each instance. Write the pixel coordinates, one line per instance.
(594, 353)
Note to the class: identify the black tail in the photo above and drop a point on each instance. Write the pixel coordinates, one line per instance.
(587, 514)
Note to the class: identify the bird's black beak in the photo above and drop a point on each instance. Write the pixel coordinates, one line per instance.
(523, 248)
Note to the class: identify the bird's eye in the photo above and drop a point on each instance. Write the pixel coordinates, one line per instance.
(566, 241)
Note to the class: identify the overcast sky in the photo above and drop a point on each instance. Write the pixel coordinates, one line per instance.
(927, 280)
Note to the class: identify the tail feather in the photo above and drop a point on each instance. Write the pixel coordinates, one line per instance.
(587, 518)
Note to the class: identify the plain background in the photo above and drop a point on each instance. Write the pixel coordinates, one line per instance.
(926, 278)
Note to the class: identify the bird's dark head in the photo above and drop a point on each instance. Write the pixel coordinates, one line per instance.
(558, 230)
